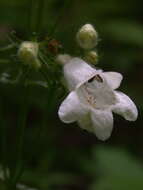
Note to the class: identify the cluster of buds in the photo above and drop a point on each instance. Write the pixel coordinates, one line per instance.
(87, 39)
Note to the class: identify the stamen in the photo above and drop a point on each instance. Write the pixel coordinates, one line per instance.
(89, 97)
(98, 78)
(90, 80)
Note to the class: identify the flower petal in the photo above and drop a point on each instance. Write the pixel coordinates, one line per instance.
(102, 122)
(125, 107)
(77, 71)
(86, 123)
(71, 109)
(113, 79)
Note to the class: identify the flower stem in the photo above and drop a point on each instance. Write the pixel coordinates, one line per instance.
(36, 14)
(62, 12)
(20, 141)
(4, 142)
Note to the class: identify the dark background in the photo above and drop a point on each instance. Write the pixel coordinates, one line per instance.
(63, 157)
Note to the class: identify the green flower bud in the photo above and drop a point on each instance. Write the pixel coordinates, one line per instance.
(87, 37)
(28, 53)
(91, 57)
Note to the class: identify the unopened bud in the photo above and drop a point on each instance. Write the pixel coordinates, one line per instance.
(91, 57)
(87, 37)
(63, 58)
(28, 53)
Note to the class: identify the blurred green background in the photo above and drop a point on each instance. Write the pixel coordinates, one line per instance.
(63, 157)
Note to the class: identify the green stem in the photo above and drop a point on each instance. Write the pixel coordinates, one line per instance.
(62, 12)
(20, 141)
(40, 15)
(36, 14)
(8, 47)
(4, 143)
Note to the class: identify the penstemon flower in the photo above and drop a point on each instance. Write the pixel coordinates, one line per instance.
(93, 98)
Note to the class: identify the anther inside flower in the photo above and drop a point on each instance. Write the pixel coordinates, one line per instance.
(87, 92)
(93, 98)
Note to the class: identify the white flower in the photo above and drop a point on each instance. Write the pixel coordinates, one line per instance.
(87, 37)
(93, 98)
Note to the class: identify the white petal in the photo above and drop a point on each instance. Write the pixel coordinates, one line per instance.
(77, 71)
(102, 123)
(113, 79)
(125, 107)
(86, 123)
(71, 109)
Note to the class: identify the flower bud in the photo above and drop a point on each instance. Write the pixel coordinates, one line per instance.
(28, 53)
(91, 57)
(87, 37)
(62, 59)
